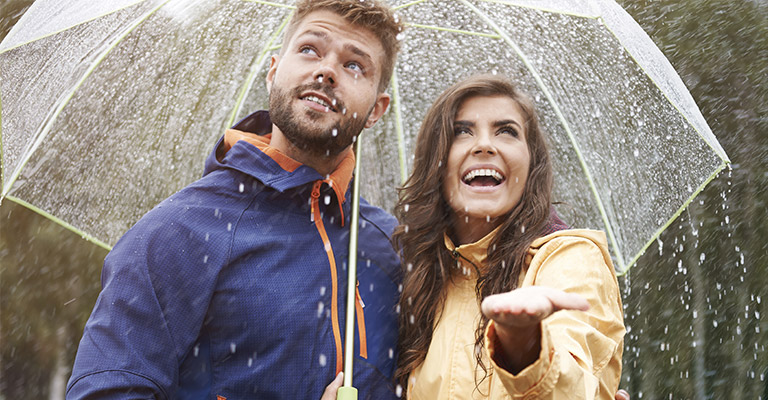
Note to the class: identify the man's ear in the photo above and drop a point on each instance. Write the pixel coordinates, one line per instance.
(273, 62)
(382, 103)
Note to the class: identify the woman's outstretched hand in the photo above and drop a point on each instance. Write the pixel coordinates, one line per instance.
(517, 316)
(528, 306)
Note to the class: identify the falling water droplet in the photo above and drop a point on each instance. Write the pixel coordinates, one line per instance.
(335, 132)
(232, 347)
(406, 207)
(242, 188)
(323, 360)
(327, 199)
(409, 267)
(229, 226)
(205, 259)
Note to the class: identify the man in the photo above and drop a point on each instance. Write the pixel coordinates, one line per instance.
(234, 287)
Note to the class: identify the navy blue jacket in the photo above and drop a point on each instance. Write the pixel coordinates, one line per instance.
(225, 289)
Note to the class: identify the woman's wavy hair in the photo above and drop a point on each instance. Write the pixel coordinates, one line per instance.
(425, 217)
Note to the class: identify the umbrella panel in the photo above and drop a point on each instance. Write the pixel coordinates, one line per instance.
(176, 91)
(26, 73)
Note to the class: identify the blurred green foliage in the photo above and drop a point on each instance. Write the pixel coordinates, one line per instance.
(694, 304)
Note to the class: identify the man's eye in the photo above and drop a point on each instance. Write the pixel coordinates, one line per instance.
(355, 67)
(307, 50)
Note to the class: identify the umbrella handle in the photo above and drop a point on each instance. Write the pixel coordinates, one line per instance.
(346, 393)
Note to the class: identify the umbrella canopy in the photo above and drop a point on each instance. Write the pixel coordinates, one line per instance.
(109, 107)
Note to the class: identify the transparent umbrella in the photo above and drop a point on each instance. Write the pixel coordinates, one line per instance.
(108, 107)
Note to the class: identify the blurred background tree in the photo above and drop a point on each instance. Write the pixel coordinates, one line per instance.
(694, 304)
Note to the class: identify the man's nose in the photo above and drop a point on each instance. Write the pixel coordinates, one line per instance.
(326, 73)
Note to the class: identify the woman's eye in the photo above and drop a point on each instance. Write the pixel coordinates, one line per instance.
(461, 131)
(508, 131)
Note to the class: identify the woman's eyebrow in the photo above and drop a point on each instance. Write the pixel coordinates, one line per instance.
(503, 122)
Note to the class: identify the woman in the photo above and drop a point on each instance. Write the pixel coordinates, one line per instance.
(476, 224)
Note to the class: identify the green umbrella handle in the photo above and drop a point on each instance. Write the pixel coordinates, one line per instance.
(347, 392)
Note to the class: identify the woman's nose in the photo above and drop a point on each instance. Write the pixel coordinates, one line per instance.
(483, 144)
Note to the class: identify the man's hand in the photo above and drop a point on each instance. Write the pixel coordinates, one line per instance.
(333, 387)
(527, 307)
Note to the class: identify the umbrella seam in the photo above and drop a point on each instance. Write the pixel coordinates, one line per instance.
(399, 128)
(537, 77)
(61, 222)
(69, 27)
(674, 217)
(254, 71)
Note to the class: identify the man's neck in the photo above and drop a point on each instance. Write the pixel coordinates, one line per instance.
(324, 164)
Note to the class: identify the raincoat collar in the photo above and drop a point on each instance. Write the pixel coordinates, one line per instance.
(247, 144)
(477, 252)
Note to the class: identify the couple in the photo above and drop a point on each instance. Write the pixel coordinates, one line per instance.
(233, 287)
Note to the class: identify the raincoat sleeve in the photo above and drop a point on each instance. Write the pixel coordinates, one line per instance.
(147, 317)
(580, 351)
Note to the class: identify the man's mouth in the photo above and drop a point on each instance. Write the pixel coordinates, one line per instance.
(328, 104)
(483, 177)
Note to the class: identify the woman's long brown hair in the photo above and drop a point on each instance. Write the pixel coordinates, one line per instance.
(425, 216)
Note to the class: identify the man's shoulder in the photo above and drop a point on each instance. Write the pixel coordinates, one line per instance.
(380, 219)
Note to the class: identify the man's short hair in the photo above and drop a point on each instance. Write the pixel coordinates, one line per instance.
(373, 15)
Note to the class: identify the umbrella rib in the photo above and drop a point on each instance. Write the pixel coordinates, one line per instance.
(61, 222)
(255, 69)
(48, 124)
(399, 128)
(413, 3)
(69, 27)
(440, 28)
(674, 217)
(549, 10)
(269, 3)
(563, 122)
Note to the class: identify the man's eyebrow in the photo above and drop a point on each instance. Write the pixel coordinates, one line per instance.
(318, 34)
(359, 52)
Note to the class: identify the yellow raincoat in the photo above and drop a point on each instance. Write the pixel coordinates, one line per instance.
(580, 351)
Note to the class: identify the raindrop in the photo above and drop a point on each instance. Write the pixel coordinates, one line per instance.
(333, 102)
(487, 218)
(391, 353)
(335, 132)
(399, 391)
(406, 228)
(205, 259)
(327, 199)
(327, 247)
(229, 226)
(320, 309)
(522, 229)
(197, 350)
(354, 115)
(409, 267)
(406, 207)
(370, 288)
(242, 188)
(323, 360)
(322, 290)
(702, 257)
(250, 362)
(343, 111)
(207, 236)
(412, 319)
(400, 36)
(232, 347)
(320, 79)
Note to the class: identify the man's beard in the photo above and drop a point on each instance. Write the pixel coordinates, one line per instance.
(307, 135)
